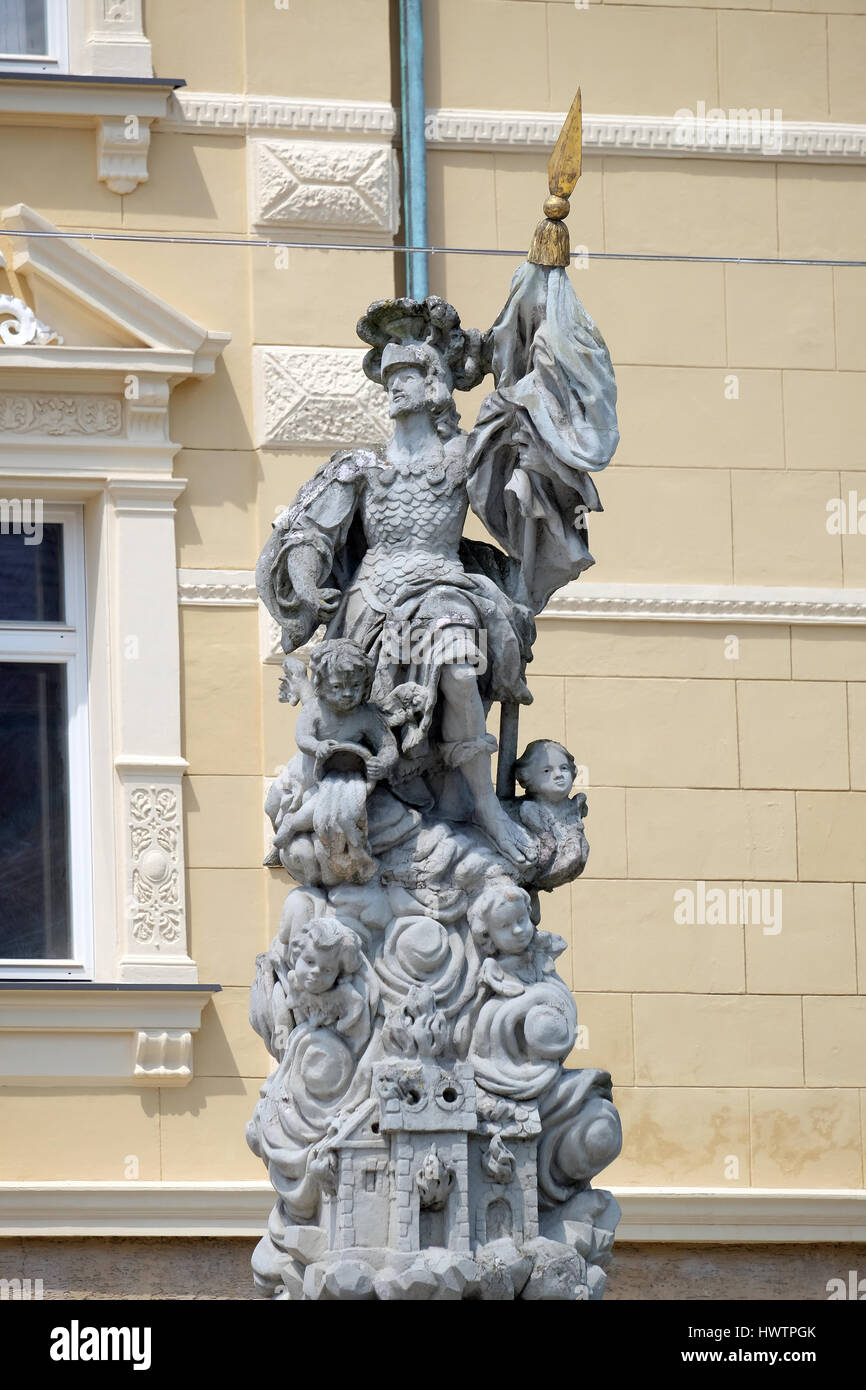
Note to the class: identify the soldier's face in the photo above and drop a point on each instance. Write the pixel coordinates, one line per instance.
(406, 389)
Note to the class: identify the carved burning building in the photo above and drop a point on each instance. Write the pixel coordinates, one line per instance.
(417, 1159)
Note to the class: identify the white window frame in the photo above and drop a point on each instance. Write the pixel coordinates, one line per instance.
(65, 644)
(57, 34)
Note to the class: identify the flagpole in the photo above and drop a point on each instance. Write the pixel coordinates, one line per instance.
(549, 248)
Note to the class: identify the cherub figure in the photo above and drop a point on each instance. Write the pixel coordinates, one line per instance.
(319, 809)
(514, 952)
(340, 716)
(546, 771)
(516, 958)
(323, 955)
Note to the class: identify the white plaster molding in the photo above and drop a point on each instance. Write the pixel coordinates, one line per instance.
(686, 603)
(20, 325)
(315, 396)
(150, 763)
(690, 1215)
(334, 186)
(231, 114)
(757, 1214)
(669, 136)
(107, 39)
(101, 1037)
(155, 866)
(223, 588)
(81, 100)
(163, 1058)
(707, 603)
(450, 128)
(59, 416)
(122, 146)
(150, 859)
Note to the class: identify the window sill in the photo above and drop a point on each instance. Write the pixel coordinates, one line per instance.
(120, 108)
(74, 1034)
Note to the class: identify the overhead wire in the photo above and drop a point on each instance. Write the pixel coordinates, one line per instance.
(581, 254)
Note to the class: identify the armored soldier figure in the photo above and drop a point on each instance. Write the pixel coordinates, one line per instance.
(373, 544)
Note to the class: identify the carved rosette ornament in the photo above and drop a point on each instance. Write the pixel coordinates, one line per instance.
(156, 905)
(422, 1134)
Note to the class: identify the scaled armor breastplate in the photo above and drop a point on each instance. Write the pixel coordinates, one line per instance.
(421, 511)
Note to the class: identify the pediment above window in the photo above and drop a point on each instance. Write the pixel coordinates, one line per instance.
(86, 353)
(107, 321)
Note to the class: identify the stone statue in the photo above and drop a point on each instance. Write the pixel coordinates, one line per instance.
(421, 1132)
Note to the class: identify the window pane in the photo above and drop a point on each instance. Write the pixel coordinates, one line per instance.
(22, 27)
(31, 576)
(34, 855)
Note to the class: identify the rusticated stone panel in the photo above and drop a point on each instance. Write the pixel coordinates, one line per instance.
(310, 184)
(316, 396)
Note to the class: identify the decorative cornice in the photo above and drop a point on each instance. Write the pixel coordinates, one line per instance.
(221, 588)
(447, 128)
(652, 135)
(230, 114)
(687, 603)
(707, 603)
(690, 1215)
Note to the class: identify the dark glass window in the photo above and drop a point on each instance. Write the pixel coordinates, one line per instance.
(22, 27)
(35, 916)
(31, 576)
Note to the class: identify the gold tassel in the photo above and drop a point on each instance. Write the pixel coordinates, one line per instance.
(550, 244)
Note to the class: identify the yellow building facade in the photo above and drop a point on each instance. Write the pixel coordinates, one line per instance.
(709, 674)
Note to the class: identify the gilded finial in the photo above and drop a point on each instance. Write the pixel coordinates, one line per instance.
(550, 244)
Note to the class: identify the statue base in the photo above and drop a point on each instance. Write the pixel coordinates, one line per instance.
(568, 1269)
(424, 1198)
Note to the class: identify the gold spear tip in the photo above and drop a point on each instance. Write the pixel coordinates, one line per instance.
(550, 245)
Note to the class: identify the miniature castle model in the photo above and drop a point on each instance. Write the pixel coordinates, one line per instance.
(411, 1178)
(421, 1132)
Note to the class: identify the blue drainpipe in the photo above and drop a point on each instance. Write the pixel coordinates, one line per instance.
(414, 144)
